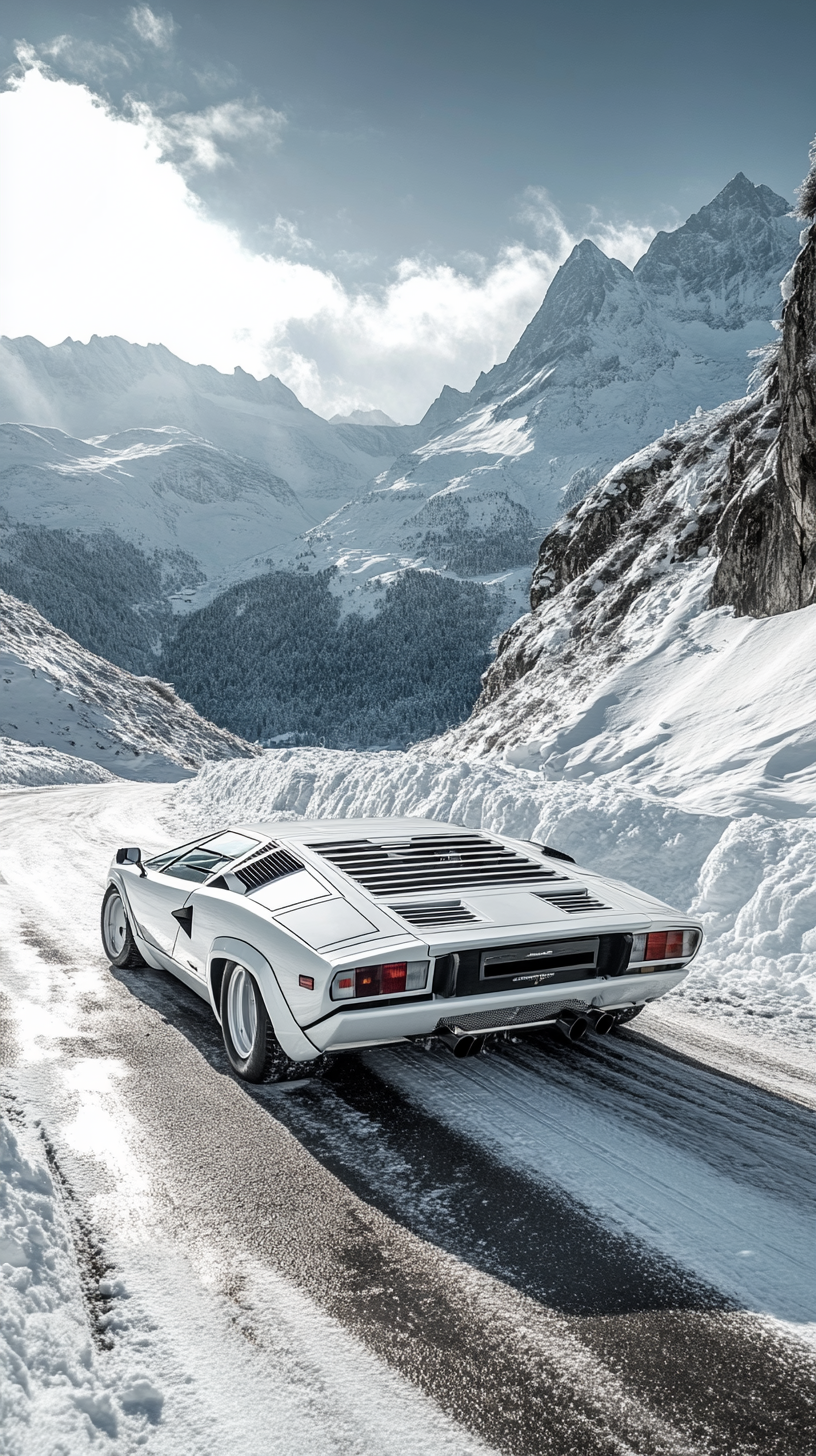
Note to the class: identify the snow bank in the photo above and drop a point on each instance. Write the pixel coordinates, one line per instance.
(24, 767)
(712, 710)
(54, 1395)
(752, 880)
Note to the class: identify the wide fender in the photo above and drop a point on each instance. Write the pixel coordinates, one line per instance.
(145, 949)
(291, 1037)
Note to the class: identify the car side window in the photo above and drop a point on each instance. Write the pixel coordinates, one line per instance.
(159, 861)
(198, 861)
(196, 864)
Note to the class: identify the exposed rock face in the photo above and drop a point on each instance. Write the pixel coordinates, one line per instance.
(767, 534)
(651, 519)
(719, 512)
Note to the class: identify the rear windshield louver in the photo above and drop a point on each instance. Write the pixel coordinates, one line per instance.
(444, 912)
(269, 867)
(432, 862)
(575, 901)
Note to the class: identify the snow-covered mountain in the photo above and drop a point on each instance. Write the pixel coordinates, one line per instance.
(363, 417)
(632, 667)
(611, 359)
(107, 536)
(64, 702)
(109, 386)
(211, 471)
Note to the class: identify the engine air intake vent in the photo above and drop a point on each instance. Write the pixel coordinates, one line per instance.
(443, 912)
(431, 862)
(574, 901)
(269, 867)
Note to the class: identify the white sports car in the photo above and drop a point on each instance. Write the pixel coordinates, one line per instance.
(333, 934)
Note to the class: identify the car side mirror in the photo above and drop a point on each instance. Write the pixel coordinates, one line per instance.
(130, 856)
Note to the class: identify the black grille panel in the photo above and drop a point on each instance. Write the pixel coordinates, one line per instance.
(574, 901)
(432, 862)
(272, 866)
(444, 912)
(463, 974)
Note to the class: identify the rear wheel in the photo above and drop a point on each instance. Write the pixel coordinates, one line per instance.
(252, 1046)
(117, 936)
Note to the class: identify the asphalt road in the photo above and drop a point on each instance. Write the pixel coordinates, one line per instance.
(528, 1320)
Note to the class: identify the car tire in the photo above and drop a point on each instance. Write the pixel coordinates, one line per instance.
(628, 1015)
(252, 1047)
(117, 937)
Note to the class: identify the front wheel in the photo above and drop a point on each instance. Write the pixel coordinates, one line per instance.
(117, 936)
(252, 1046)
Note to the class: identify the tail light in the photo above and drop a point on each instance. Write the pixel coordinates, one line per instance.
(384, 980)
(664, 945)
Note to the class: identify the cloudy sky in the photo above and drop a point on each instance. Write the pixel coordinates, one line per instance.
(367, 199)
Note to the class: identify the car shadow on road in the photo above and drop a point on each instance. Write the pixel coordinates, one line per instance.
(443, 1185)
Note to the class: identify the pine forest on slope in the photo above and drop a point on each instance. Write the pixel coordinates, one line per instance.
(273, 659)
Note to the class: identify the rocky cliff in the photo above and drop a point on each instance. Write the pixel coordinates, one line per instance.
(718, 513)
(767, 533)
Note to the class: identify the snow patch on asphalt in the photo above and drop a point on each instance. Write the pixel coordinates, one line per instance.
(752, 880)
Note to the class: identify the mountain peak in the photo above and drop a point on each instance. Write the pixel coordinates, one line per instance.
(741, 193)
(363, 417)
(576, 297)
(724, 264)
(587, 255)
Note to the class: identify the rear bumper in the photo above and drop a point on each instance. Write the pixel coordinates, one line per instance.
(376, 1025)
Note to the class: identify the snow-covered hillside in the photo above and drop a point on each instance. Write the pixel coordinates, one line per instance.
(62, 708)
(623, 672)
(160, 516)
(610, 360)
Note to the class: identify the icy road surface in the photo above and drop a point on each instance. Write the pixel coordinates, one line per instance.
(604, 1249)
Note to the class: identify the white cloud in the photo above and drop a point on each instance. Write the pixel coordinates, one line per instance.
(83, 58)
(541, 214)
(102, 234)
(626, 241)
(156, 30)
(192, 138)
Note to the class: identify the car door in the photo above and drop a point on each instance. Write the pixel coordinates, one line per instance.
(153, 897)
(168, 884)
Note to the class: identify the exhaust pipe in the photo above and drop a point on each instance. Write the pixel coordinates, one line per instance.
(462, 1046)
(573, 1025)
(601, 1022)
